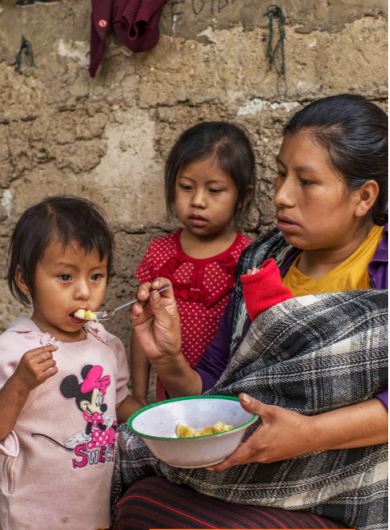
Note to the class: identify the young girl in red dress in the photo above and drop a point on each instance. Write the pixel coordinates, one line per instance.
(209, 185)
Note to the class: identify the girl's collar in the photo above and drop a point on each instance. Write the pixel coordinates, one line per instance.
(217, 257)
(24, 324)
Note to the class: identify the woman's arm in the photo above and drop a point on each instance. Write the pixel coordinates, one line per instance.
(156, 326)
(285, 434)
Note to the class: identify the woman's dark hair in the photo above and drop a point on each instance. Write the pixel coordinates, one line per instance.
(353, 130)
(230, 144)
(63, 219)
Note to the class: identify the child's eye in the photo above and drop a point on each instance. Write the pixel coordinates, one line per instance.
(96, 277)
(64, 277)
(185, 187)
(215, 190)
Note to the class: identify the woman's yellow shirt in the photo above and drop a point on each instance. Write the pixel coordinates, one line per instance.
(350, 275)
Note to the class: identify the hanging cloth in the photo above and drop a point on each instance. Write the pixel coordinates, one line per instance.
(134, 22)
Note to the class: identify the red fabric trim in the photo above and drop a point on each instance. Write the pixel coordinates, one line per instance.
(263, 289)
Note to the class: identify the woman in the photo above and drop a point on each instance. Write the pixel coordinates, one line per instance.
(330, 199)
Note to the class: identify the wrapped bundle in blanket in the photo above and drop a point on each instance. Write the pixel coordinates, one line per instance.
(311, 354)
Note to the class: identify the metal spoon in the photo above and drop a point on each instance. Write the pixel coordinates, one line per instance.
(106, 315)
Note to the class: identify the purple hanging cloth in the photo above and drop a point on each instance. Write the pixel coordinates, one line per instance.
(134, 22)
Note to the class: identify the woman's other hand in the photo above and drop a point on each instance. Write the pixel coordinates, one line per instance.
(282, 434)
(285, 434)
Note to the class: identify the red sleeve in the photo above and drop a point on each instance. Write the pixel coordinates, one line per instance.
(263, 289)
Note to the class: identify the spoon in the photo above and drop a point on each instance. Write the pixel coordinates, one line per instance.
(109, 313)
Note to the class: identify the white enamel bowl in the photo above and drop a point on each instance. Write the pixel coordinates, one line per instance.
(156, 424)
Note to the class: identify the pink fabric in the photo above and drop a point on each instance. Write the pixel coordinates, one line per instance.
(94, 380)
(56, 465)
(201, 287)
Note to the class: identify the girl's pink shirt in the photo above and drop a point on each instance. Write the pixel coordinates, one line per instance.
(52, 473)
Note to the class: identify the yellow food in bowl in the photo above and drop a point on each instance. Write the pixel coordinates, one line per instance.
(184, 431)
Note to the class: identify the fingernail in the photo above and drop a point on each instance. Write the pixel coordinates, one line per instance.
(245, 399)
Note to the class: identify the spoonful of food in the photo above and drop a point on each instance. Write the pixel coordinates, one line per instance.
(86, 314)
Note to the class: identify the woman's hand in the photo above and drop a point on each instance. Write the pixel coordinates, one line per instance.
(156, 326)
(282, 434)
(285, 433)
(156, 321)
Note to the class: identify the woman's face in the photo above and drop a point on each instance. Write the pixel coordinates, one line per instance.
(314, 208)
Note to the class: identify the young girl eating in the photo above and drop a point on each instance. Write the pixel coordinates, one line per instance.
(63, 381)
(209, 185)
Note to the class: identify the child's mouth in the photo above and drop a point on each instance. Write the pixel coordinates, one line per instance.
(84, 314)
(197, 220)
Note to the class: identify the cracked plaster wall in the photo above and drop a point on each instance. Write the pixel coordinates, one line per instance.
(106, 138)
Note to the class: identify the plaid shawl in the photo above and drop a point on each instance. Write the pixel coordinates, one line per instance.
(311, 354)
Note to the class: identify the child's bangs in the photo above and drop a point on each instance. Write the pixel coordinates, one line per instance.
(90, 236)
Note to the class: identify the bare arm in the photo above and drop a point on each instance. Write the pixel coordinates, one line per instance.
(126, 408)
(286, 434)
(140, 371)
(33, 369)
(364, 424)
(156, 325)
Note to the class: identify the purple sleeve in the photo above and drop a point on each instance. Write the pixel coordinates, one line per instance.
(378, 271)
(215, 357)
(378, 268)
(383, 398)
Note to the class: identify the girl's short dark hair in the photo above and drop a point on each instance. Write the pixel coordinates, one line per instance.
(353, 130)
(62, 218)
(232, 147)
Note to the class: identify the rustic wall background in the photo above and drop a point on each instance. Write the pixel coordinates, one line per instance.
(107, 138)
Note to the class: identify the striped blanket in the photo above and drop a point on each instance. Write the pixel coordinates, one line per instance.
(311, 354)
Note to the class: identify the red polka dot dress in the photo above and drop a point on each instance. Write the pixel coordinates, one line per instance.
(201, 287)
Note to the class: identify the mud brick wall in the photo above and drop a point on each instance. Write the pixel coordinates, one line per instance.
(106, 138)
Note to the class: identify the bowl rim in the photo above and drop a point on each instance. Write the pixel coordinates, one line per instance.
(131, 419)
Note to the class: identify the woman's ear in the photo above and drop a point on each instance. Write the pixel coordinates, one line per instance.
(366, 197)
(19, 280)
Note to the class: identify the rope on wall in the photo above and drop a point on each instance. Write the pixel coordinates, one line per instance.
(25, 54)
(275, 52)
